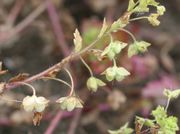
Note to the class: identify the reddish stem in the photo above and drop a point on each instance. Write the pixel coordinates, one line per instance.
(75, 121)
(54, 18)
(15, 11)
(5, 36)
(53, 124)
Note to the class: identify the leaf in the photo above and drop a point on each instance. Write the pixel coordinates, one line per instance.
(159, 113)
(172, 94)
(152, 3)
(117, 24)
(77, 41)
(144, 121)
(104, 28)
(169, 125)
(161, 10)
(131, 5)
(19, 77)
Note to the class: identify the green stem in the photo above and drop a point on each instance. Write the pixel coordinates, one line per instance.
(167, 105)
(10, 100)
(111, 37)
(56, 79)
(72, 82)
(139, 18)
(87, 66)
(114, 62)
(29, 85)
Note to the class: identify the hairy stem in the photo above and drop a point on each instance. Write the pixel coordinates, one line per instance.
(87, 66)
(72, 82)
(59, 80)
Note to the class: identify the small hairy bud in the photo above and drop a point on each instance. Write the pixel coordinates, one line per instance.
(161, 10)
(153, 19)
(118, 73)
(34, 103)
(138, 47)
(69, 103)
(113, 48)
(93, 84)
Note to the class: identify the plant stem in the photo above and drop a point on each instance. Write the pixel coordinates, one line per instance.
(56, 67)
(57, 28)
(10, 100)
(139, 18)
(167, 105)
(87, 66)
(53, 124)
(114, 62)
(29, 85)
(72, 82)
(128, 32)
(56, 79)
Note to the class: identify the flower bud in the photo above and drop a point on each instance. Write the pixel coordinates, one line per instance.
(153, 19)
(138, 47)
(113, 48)
(69, 103)
(161, 10)
(34, 103)
(93, 83)
(121, 73)
(118, 73)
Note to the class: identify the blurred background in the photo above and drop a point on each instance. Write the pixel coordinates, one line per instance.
(36, 34)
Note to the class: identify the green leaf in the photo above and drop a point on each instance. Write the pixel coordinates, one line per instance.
(77, 41)
(152, 3)
(169, 125)
(172, 94)
(103, 29)
(142, 7)
(117, 25)
(144, 121)
(122, 130)
(131, 5)
(161, 10)
(159, 113)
